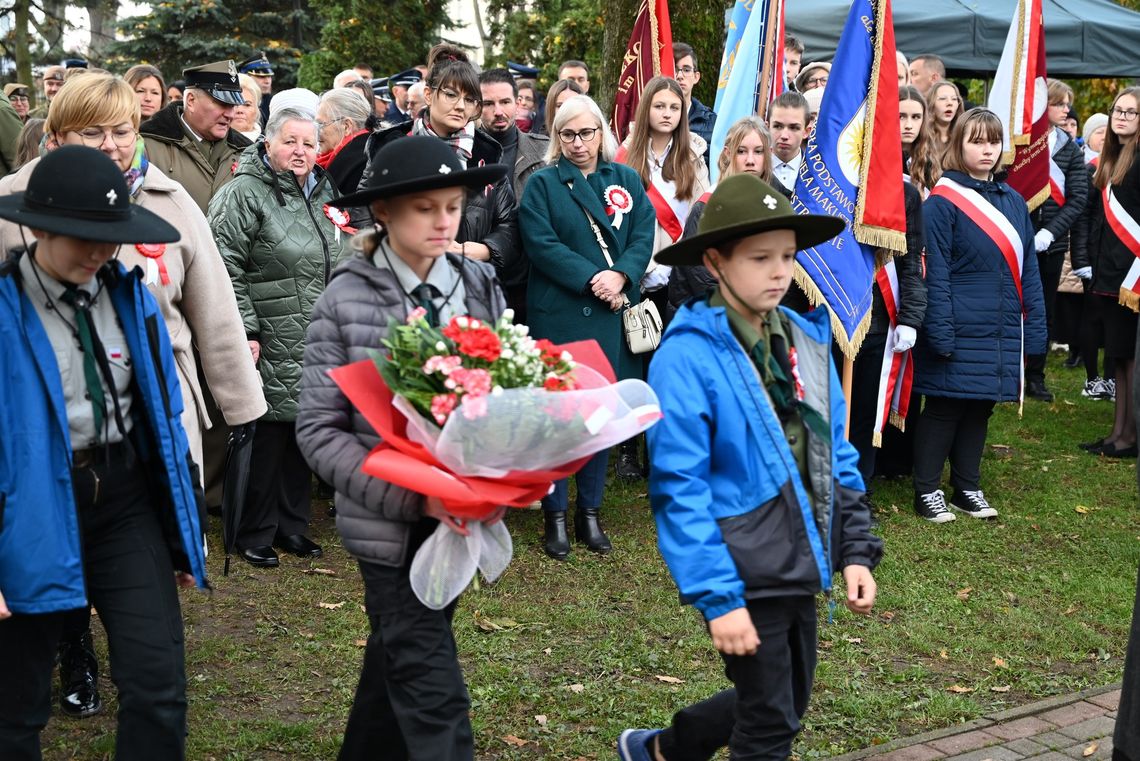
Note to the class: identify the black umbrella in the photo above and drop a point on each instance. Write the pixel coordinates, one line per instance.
(236, 485)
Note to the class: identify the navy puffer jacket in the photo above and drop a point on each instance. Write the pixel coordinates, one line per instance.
(971, 341)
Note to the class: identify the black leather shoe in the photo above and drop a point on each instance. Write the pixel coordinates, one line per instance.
(555, 543)
(628, 466)
(262, 557)
(299, 545)
(589, 532)
(1111, 450)
(79, 678)
(1092, 446)
(1036, 390)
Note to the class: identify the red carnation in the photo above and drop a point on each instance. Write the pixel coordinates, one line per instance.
(551, 356)
(481, 343)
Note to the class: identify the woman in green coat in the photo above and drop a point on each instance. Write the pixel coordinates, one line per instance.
(587, 227)
(280, 246)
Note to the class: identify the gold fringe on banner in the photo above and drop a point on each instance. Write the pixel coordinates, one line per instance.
(1040, 197)
(877, 440)
(897, 421)
(1014, 116)
(1130, 299)
(872, 235)
(849, 346)
(651, 8)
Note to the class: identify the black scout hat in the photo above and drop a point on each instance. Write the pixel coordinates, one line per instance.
(79, 192)
(219, 80)
(744, 205)
(257, 66)
(415, 164)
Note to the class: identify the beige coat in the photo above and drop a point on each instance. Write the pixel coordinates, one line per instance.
(198, 306)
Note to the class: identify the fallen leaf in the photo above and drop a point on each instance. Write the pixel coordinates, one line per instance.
(319, 571)
(1003, 688)
(853, 640)
(1045, 468)
(547, 651)
(363, 609)
(1070, 611)
(1091, 749)
(999, 446)
(959, 689)
(518, 742)
(576, 688)
(1068, 403)
(360, 642)
(887, 615)
(331, 605)
(669, 679)
(944, 655)
(999, 662)
(541, 719)
(1082, 509)
(964, 594)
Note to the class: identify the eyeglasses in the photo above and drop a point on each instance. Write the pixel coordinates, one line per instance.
(585, 135)
(93, 137)
(321, 125)
(450, 98)
(819, 81)
(1125, 115)
(688, 71)
(18, 98)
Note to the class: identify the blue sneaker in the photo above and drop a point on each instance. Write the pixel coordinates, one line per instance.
(633, 745)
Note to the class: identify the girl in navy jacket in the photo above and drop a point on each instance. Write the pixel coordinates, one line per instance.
(982, 316)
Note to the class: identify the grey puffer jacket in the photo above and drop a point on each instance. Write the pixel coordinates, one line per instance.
(375, 519)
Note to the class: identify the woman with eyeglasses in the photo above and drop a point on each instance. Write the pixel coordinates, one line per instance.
(187, 279)
(453, 100)
(587, 227)
(1103, 239)
(345, 121)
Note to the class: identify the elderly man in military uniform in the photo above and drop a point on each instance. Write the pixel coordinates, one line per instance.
(191, 140)
(260, 69)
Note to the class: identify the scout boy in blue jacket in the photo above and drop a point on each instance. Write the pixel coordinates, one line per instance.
(754, 487)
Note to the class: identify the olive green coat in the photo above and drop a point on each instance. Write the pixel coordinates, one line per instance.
(280, 249)
(564, 255)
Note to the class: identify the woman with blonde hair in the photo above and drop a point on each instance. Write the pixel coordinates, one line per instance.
(247, 116)
(149, 87)
(1114, 205)
(187, 279)
(944, 104)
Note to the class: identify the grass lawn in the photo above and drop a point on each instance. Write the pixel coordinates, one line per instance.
(972, 616)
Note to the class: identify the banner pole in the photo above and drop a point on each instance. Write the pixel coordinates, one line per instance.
(848, 380)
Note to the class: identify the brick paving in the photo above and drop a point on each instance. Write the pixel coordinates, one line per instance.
(1058, 729)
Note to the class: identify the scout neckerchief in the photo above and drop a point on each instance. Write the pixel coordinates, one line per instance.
(462, 142)
(1003, 235)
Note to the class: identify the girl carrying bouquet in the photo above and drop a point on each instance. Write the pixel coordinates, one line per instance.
(411, 702)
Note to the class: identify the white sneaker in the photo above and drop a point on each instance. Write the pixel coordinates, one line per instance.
(973, 503)
(932, 507)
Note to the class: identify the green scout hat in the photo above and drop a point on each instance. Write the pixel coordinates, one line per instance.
(745, 205)
(219, 80)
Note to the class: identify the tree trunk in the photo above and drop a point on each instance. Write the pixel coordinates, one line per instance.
(20, 41)
(52, 28)
(619, 16)
(102, 15)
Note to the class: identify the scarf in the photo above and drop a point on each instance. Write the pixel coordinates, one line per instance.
(325, 159)
(462, 142)
(137, 171)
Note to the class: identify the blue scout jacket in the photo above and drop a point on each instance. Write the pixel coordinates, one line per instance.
(41, 567)
(734, 520)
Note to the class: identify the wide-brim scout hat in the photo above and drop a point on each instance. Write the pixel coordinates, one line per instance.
(79, 192)
(416, 164)
(219, 80)
(745, 205)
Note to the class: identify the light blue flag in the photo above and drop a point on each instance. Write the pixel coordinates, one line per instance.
(841, 271)
(736, 24)
(739, 93)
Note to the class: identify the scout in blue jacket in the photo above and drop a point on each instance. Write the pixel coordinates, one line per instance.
(754, 488)
(97, 500)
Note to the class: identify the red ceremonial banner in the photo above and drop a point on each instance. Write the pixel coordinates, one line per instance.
(650, 54)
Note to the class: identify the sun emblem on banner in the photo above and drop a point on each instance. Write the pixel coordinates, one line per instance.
(850, 146)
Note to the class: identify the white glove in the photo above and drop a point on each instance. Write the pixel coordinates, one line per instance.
(1084, 273)
(1042, 240)
(905, 336)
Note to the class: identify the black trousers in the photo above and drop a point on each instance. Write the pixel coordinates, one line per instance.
(954, 429)
(411, 702)
(279, 501)
(864, 402)
(130, 580)
(760, 717)
(1049, 265)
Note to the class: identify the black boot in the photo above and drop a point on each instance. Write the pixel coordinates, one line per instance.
(555, 543)
(79, 677)
(589, 532)
(628, 466)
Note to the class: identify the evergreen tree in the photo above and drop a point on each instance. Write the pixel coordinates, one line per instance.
(177, 34)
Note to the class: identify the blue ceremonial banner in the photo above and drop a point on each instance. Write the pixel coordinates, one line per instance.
(840, 272)
(736, 23)
(739, 93)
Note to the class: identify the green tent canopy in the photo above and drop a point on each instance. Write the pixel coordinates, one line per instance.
(1083, 38)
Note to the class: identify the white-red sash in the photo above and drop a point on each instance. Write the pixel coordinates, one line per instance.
(666, 217)
(896, 375)
(1056, 183)
(1128, 230)
(1002, 232)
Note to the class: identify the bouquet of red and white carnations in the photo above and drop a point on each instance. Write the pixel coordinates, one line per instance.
(482, 415)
